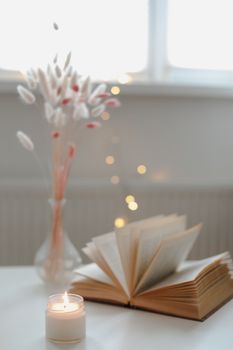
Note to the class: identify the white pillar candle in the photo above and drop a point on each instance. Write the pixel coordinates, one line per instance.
(65, 318)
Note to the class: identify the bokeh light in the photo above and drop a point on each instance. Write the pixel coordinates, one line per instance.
(141, 169)
(129, 199)
(133, 206)
(109, 160)
(105, 116)
(115, 90)
(115, 180)
(119, 222)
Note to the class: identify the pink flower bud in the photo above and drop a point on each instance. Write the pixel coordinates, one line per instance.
(59, 90)
(66, 101)
(55, 134)
(104, 95)
(93, 125)
(112, 102)
(75, 88)
(71, 150)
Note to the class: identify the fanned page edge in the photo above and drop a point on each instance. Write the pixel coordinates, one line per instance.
(162, 230)
(108, 248)
(132, 231)
(100, 261)
(193, 232)
(94, 255)
(223, 295)
(195, 265)
(192, 318)
(95, 290)
(116, 297)
(130, 236)
(95, 273)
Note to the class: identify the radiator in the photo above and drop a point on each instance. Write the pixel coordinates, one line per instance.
(91, 210)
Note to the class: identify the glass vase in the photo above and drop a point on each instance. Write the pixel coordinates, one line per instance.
(57, 258)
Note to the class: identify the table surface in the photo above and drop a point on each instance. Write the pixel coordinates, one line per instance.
(23, 300)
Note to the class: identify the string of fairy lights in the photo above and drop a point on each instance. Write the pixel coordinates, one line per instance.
(110, 160)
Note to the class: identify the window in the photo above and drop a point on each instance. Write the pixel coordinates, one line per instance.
(200, 34)
(107, 38)
(200, 41)
(163, 42)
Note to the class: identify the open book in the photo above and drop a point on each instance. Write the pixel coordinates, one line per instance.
(143, 265)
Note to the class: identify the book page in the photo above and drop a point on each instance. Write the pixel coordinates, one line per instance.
(88, 253)
(127, 241)
(93, 254)
(150, 239)
(127, 244)
(188, 271)
(93, 289)
(93, 272)
(171, 253)
(147, 222)
(107, 246)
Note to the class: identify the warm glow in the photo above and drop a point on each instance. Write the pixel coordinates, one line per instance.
(133, 206)
(141, 169)
(115, 180)
(109, 160)
(105, 116)
(115, 90)
(119, 222)
(65, 306)
(129, 199)
(65, 299)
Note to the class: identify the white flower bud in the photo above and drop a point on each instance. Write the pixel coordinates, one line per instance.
(49, 111)
(26, 95)
(67, 61)
(60, 118)
(55, 26)
(86, 87)
(100, 89)
(58, 71)
(82, 111)
(43, 84)
(25, 141)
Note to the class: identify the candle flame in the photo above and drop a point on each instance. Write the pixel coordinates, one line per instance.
(65, 299)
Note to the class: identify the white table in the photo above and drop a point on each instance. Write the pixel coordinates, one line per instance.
(22, 309)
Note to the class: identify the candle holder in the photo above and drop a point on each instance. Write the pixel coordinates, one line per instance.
(65, 318)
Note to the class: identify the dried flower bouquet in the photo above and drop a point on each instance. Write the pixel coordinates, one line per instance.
(70, 105)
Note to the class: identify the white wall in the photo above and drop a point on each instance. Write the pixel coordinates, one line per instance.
(185, 140)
